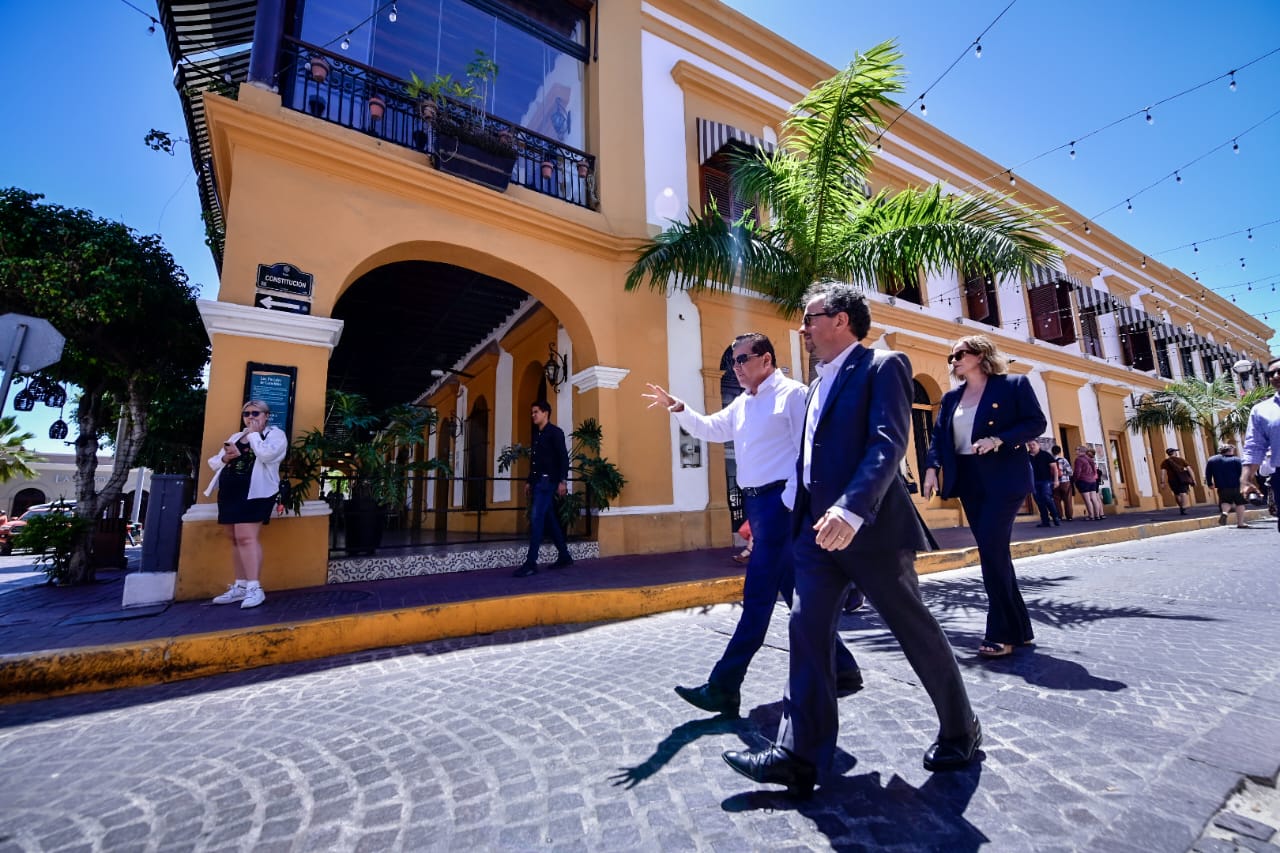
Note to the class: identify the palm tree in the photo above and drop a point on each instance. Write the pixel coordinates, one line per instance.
(15, 458)
(1214, 407)
(822, 226)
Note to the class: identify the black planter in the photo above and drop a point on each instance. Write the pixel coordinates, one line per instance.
(458, 157)
(363, 523)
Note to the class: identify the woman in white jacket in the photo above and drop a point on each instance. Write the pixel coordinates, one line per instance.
(247, 477)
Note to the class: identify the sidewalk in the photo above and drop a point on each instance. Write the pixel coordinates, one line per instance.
(65, 640)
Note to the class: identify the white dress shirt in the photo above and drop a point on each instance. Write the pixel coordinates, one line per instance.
(827, 372)
(764, 427)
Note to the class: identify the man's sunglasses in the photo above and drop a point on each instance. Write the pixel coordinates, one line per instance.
(956, 356)
(1272, 374)
(742, 358)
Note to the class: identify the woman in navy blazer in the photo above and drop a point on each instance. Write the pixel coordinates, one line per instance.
(978, 445)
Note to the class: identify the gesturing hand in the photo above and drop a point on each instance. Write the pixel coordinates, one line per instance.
(660, 397)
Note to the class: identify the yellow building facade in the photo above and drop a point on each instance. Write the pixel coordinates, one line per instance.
(298, 172)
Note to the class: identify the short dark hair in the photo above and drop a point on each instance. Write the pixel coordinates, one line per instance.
(839, 296)
(542, 406)
(760, 344)
(1056, 449)
(1170, 451)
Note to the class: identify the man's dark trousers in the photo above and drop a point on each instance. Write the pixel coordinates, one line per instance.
(544, 518)
(1044, 500)
(769, 571)
(810, 714)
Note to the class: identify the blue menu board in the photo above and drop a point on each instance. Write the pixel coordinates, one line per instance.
(275, 385)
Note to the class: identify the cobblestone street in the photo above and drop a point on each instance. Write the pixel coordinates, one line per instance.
(1151, 695)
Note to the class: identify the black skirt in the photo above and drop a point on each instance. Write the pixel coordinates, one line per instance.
(234, 504)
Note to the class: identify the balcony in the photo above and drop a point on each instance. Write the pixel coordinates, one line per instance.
(339, 90)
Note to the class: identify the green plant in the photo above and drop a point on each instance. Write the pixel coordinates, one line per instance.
(54, 537)
(1192, 403)
(602, 480)
(364, 454)
(472, 125)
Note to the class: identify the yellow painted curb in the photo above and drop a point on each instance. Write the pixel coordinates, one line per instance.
(34, 675)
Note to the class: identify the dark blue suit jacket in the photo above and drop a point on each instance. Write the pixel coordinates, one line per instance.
(1009, 411)
(858, 446)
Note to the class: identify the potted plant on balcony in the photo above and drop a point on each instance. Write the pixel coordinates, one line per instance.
(365, 458)
(468, 143)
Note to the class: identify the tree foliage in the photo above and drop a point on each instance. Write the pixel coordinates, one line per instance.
(15, 458)
(1214, 408)
(821, 224)
(133, 333)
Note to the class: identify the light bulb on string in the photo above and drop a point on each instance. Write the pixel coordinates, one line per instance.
(1176, 177)
(1072, 152)
(1242, 266)
(1249, 233)
(1128, 203)
(924, 111)
(1195, 248)
(1144, 262)
(977, 50)
(1235, 146)
(346, 42)
(1232, 84)
(393, 14)
(151, 28)
(1087, 229)
(1150, 118)
(1013, 182)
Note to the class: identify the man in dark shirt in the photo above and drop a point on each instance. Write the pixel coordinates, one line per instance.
(1223, 473)
(548, 477)
(1044, 470)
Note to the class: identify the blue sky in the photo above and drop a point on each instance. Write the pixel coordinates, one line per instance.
(84, 82)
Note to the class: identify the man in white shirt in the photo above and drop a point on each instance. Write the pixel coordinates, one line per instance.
(765, 423)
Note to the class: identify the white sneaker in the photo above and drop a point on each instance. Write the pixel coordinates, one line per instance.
(253, 596)
(233, 594)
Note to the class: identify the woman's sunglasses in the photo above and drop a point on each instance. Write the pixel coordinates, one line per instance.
(956, 356)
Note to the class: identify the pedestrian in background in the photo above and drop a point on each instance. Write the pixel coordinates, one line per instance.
(1177, 476)
(979, 448)
(1263, 435)
(1084, 474)
(548, 479)
(1044, 474)
(1223, 472)
(246, 473)
(1062, 488)
(765, 423)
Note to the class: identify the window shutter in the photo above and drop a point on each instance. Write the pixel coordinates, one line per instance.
(975, 294)
(1044, 312)
(716, 185)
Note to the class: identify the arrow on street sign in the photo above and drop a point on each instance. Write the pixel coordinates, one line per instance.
(280, 303)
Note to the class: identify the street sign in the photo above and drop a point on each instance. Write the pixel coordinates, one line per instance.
(280, 303)
(284, 278)
(27, 344)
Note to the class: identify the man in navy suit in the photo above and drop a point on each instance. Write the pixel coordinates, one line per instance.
(855, 523)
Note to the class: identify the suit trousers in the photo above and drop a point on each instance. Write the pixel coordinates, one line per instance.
(770, 572)
(543, 519)
(810, 714)
(991, 517)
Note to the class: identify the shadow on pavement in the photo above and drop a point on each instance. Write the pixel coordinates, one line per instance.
(680, 737)
(860, 813)
(1044, 670)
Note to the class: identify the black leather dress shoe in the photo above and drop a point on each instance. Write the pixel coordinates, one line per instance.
(562, 562)
(848, 683)
(525, 570)
(708, 697)
(954, 753)
(775, 766)
(854, 601)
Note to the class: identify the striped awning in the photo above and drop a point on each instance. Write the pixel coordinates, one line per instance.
(713, 136)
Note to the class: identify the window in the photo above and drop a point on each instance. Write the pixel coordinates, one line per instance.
(540, 49)
(1162, 359)
(716, 178)
(1051, 317)
(1206, 359)
(907, 291)
(1090, 337)
(981, 303)
(1188, 362)
(1135, 347)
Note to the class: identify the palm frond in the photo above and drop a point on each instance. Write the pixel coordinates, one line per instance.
(708, 253)
(896, 235)
(1235, 422)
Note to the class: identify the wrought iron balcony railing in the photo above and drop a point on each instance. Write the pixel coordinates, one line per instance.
(348, 93)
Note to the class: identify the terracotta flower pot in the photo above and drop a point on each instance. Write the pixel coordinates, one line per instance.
(377, 107)
(319, 68)
(547, 168)
(427, 110)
